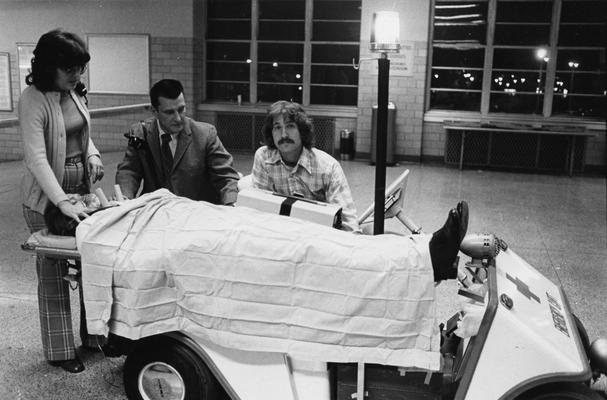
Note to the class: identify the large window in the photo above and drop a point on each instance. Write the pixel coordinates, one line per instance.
(268, 50)
(544, 57)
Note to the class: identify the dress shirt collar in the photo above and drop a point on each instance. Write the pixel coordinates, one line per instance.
(161, 132)
(305, 159)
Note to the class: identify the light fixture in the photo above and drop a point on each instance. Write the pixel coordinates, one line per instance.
(573, 65)
(385, 32)
(384, 39)
(541, 53)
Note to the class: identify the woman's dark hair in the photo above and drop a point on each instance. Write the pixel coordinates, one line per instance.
(56, 49)
(167, 88)
(291, 112)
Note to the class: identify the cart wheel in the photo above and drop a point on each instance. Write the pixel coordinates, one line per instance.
(161, 367)
(561, 391)
(583, 333)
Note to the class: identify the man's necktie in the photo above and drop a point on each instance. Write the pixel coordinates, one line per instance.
(167, 156)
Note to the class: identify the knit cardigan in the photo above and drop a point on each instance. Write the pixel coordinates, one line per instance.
(44, 144)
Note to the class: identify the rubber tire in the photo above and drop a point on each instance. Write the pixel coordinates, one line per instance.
(200, 384)
(561, 391)
(583, 333)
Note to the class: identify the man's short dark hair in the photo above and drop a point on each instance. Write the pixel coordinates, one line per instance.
(292, 112)
(167, 88)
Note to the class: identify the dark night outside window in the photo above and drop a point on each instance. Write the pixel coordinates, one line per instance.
(278, 56)
(518, 72)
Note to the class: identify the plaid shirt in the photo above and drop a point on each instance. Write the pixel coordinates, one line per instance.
(317, 176)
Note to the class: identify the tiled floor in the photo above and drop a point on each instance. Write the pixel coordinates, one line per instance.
(556, 223)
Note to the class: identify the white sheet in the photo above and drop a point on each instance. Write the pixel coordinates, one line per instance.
(256, 281)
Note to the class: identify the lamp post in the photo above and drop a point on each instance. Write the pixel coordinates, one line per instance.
(541, 54)
(384, 40)
(572, 65)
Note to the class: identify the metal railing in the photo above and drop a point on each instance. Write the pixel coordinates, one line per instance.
(95, 113)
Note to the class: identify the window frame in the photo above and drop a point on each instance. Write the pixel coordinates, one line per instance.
(306, 64)
(550, 71)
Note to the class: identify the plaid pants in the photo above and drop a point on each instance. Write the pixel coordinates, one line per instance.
(53, 291)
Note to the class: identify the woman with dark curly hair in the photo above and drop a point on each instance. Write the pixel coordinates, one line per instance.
(60, 159)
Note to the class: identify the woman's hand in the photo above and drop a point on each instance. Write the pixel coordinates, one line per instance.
(76, 210)
(95, 168)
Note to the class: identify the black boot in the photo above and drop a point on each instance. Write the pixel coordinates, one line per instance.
(445, 242)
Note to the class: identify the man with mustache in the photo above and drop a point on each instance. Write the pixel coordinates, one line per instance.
(175, 152)
(289, 164)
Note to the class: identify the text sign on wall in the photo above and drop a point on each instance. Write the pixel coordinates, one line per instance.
(6, 100)
(401, 64)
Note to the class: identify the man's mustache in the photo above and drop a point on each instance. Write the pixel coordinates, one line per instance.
(285, 140)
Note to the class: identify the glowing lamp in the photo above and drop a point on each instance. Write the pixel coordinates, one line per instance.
(385, 32)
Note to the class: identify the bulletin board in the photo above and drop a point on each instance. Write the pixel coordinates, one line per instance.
(6, 99)
(120, 64)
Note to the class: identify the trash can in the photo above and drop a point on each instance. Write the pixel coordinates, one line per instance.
(390, 136)
(346, 144)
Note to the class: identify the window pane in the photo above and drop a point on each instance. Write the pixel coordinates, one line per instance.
(334, 74)
(521, 35)
(582, 35)
(579, 82)
(227, 91)
(280, 73)
(281, 30)
(466, 101)
(457, 79)
(333, 95)
(524, 11)
(229, 29)
(588, 106)
(335, 31)
(517, 59)
(587, 60)
(460, 34)
(228, 71)
(516, 103)
(337, 9)
(272, 93)
(460, 22)
(287, 52)
(227, 51)
(443, 57)
(518, 81)
(229, 9)
(282, 9)
(333, 53)
(584, 11)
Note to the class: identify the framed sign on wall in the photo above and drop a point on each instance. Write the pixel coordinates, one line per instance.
(6, 99)
(25, 53)
(120, 64)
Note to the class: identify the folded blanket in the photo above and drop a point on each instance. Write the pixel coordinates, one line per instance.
(255, 281)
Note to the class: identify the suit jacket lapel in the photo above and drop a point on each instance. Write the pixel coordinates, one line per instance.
(184, 141)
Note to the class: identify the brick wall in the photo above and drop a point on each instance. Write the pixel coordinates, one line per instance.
(169, 58)
(433, 143)
(406, 92)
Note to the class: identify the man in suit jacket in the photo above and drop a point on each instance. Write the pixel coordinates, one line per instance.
(175, 152)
